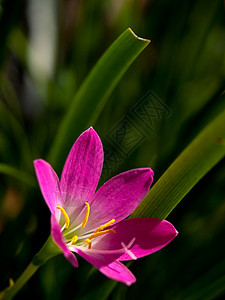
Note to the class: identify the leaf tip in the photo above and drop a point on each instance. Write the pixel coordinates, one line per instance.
(138, 37)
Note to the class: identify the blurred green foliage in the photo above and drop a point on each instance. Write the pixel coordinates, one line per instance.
(47, 50)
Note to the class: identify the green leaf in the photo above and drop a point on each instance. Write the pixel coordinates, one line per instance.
(93, 94)
(204, 152)
(17, 174)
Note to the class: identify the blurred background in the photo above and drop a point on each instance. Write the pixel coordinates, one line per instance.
(47, 48)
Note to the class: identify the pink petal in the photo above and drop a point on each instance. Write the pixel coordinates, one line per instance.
(58, 238)
(109, 267)
(49, 183)
(119, 196)
(119, 272)
(82, 169)
(148, 235)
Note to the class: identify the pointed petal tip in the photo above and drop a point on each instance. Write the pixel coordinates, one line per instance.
(36, 161)
(149, 178)
(40, 161)
(72, 259)
(171, 228)
(152, 172)
(92, 132)
(149, 171)
(174, 232)
(129, 283)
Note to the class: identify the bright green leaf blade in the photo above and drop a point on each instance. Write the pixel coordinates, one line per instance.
(17, 174)
(96, 89)
(204, 152)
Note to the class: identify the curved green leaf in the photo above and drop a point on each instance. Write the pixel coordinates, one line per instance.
(204, 152)
(17, 174)
(96, 89)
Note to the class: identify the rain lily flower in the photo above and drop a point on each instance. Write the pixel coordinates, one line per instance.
(93, 224)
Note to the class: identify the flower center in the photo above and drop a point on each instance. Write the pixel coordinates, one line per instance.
(87, 237)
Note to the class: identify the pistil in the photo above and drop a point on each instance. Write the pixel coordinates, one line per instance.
(125, 249)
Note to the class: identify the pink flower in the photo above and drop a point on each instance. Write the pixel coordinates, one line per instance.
(92, 224)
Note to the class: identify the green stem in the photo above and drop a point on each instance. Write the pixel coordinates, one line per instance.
(48, 251)
(24, 277)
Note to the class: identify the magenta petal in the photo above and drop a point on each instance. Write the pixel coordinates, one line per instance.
(148, 235)
(109, 267)
(58, 238)
(49, 183)
(82, 169)
(119, 196)
(119, 272)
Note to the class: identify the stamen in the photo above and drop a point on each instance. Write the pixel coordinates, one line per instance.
(104, 226)
(86, 215)
(88, 241)
(101, 233)
(74, 239)
(67, 219)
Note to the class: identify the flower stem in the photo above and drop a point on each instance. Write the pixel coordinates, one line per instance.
(48, 251)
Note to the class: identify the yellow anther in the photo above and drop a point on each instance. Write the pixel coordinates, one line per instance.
(11, 282)
(86, 215)
(104, 226)
(67, 219)
(87, 241)
(74, 239)
(94, 235)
